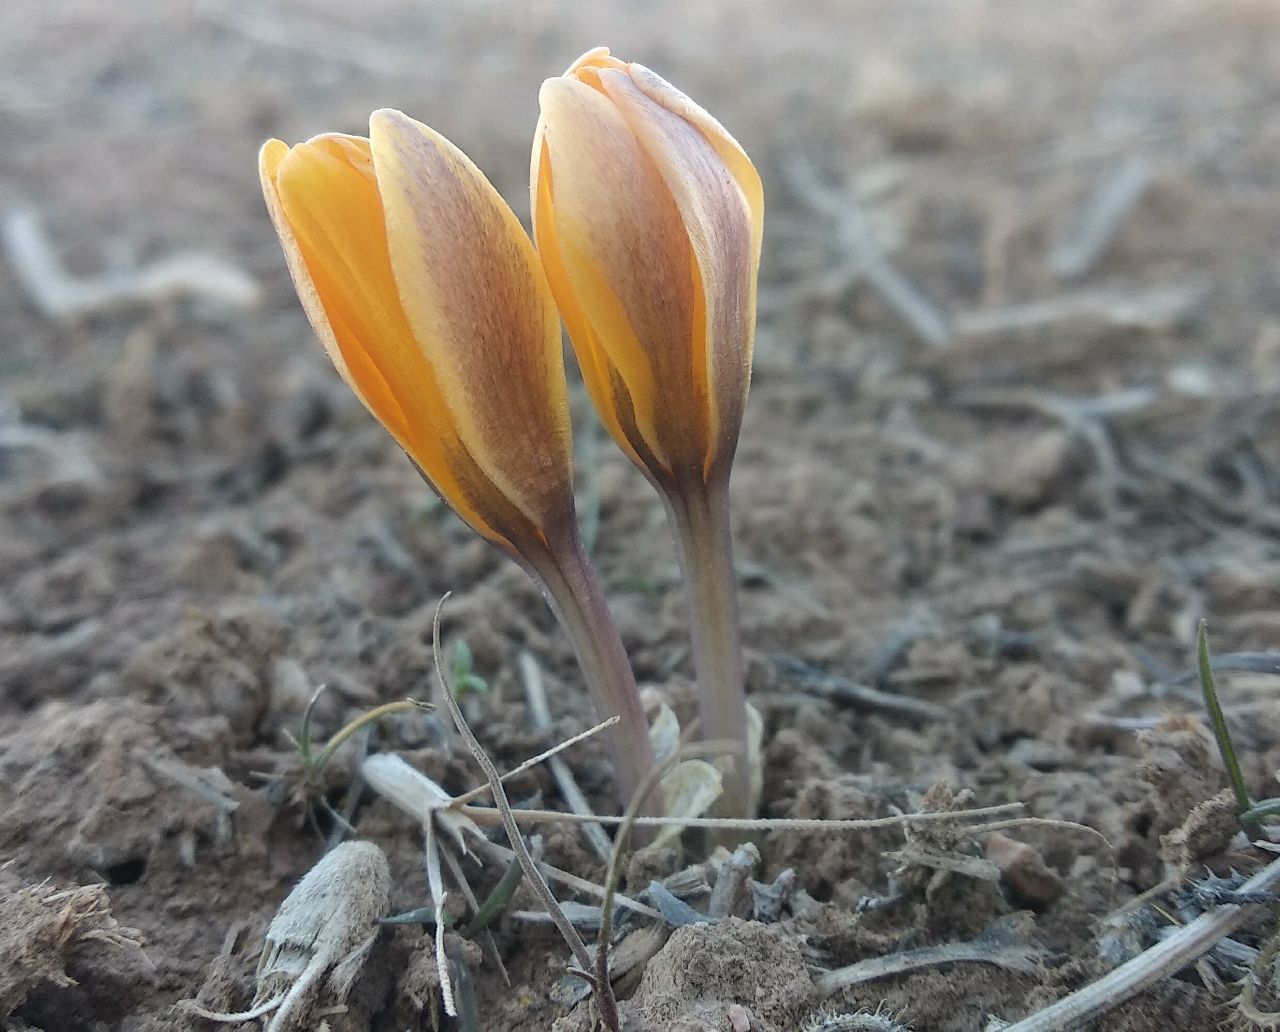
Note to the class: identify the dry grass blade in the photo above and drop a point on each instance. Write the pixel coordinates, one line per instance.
(1002, 944)
(864, 253)
(604, 994)
(1161, 961)
(540, 716)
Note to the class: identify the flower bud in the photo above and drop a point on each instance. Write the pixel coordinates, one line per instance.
(432, 303)
(648, 219)
(429, 298)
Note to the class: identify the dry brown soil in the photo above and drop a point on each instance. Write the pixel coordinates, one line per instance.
(1017, 515)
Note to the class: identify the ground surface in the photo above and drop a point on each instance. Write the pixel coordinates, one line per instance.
(1017, 514)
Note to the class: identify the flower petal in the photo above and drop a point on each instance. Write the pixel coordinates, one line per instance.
(269, 159)
(731, 153)
(474, 294)
(325, 202)
(625, 256)
(596, 57)
(718, 217)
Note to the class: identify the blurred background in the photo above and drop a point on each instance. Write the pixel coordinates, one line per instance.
(1017, 391)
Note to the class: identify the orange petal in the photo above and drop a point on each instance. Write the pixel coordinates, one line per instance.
(482, 316)
(333, 231)
(269, 158)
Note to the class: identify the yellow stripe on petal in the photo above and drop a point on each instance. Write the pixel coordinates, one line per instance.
(597, 371)
(269, 158)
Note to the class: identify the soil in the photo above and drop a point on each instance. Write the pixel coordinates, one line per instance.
(1013, 515)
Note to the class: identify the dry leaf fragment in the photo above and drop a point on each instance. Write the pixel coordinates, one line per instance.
(325, 927)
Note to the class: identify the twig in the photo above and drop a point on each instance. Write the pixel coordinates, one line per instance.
(604, 993)
(865, 254)
(1140, 308)
(533, 761)
(1161, 961)
(998, 945)
(889, 653)
(488, 816)
(540, 717)
(572, 881)
(209, 783)
(421, 798)
(59, 295)
(1102, 218)
(733, 881)
(1232, 662)
(833, 686)
(1145, 722)
(1086, 418)
(1155, 464)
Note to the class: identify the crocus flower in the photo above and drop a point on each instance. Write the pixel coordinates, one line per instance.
(648, 218)
(429, 298)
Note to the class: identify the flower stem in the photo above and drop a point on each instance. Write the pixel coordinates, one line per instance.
(700, 520)
(576, 597)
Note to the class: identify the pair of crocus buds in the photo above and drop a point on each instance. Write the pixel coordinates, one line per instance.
(440, 314)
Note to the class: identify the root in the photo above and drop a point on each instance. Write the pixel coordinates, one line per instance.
(237, 1018)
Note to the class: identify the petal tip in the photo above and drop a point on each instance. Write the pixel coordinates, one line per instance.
(270, 154)
(390, 122)
(592, 56)
(387, 116)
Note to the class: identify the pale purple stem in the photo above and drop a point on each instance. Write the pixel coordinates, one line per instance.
(576, 597)
(700, 520)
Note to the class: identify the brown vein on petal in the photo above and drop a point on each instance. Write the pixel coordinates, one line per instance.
(370, 352)
(473, 291)
(717, 218)
(622, 238)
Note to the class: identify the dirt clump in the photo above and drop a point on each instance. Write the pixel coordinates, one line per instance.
(42, 927)
(706, 969)
(1008, 441)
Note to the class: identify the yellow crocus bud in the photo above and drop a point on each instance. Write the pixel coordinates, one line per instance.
(648, 218)
(426, 293)
(430, 300)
